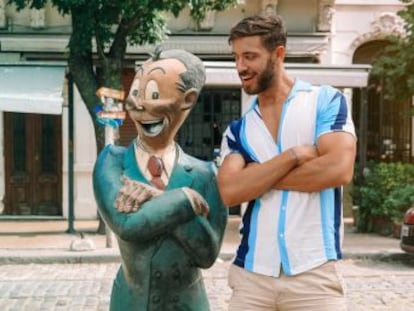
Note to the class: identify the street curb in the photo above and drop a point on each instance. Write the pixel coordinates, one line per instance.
(111, 255)
(396, 255)
(41, 256)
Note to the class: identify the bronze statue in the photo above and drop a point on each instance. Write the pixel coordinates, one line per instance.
(162, 204)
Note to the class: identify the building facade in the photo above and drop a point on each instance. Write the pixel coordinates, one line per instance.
(330, 41)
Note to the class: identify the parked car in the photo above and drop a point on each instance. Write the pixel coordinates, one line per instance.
(407, 232)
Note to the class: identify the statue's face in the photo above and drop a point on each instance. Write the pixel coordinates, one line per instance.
(156, 101)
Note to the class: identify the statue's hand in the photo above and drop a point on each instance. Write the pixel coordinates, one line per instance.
(133, 194)
(200, 206)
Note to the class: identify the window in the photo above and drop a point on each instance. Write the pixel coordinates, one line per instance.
(201, 133)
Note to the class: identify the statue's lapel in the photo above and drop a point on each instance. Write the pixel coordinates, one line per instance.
(131, 167)
(182, 174)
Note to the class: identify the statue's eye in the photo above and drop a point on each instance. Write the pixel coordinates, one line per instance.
(151, 90)
(134, 92)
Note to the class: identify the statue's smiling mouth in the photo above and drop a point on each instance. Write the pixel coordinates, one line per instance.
(152, 127)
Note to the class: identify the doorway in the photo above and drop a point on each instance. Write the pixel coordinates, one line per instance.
(33, 164)
(202, 131)
(389, 125)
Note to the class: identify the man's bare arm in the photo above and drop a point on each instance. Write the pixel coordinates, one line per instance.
(334, 166)
(239, 183)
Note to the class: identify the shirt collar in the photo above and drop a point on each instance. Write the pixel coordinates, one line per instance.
(298, 86)
(168, 159)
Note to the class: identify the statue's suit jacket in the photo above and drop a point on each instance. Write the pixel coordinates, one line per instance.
(164, 243)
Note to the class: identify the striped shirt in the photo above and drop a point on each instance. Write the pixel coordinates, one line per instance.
(290, 230)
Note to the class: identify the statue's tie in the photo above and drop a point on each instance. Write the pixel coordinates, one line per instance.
(155, 166)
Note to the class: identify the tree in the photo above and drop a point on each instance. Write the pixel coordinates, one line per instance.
(395, 67)
(112, 25)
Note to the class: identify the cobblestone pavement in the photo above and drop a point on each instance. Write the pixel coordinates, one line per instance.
(371, 285)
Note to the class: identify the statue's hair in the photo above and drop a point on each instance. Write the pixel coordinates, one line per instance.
(195, 76)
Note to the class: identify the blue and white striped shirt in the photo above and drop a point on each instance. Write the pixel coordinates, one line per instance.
(293, 230)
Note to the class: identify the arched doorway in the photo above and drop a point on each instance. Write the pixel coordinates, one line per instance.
(389, 126)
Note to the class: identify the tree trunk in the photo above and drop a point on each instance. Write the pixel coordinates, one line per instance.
(84, 76)
(81, 66)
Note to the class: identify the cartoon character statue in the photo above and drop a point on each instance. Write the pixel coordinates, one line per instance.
(162, 204)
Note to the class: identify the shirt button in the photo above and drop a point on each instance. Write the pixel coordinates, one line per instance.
(281, 235)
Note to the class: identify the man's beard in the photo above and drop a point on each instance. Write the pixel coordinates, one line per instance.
(264, 79)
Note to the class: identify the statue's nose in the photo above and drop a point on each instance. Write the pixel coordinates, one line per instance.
(133, 104)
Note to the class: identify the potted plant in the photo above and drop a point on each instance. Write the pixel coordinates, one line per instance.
(378, 209)
(397, 203)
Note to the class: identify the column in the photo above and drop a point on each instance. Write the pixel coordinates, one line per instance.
(37, 18)
(269, 7)
(3, 22)
(325, 15)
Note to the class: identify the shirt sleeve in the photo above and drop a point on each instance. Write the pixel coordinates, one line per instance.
(228, 144)
(333, 113)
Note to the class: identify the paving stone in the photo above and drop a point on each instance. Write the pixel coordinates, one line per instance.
(35, 287)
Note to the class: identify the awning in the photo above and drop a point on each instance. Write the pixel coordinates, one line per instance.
(31, 88)
(299, 44)
(224, 73)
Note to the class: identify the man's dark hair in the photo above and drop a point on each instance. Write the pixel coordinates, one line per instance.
(195, 76)
(271, 29)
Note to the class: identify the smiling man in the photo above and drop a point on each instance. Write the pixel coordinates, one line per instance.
(162, 204)
(290, 154)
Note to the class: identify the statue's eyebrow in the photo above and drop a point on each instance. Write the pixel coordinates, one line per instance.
(157, 68)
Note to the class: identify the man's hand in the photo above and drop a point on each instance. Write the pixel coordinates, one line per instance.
(303, 153)
(133, 194)
(200, 206)
(333, 167)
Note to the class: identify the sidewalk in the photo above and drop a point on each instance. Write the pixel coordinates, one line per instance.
(46, 241)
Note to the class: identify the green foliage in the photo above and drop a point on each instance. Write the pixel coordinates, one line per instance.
(396, 64)
(112, 25)
(143, 20)
(100, 16)
(399, 200)
(379, 193)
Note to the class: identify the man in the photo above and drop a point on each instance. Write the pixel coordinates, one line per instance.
(162, 204)
(289, 154)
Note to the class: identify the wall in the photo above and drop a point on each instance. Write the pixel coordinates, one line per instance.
(367, 24)
(85, 157)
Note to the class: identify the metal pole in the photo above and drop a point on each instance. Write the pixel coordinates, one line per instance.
(71, 217)
(111, 108)
(109, 139)
(363, 119)
(382, 148)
